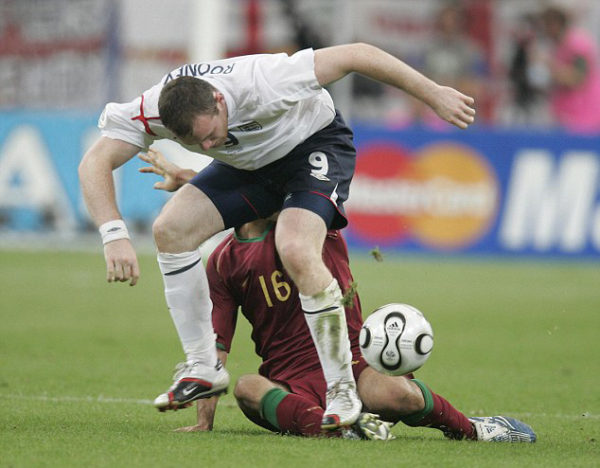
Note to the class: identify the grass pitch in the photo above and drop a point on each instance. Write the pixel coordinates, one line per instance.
(81, 360)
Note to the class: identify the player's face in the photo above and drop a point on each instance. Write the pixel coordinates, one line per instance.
(210, 131)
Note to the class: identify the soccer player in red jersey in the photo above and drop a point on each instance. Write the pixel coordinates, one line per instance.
(288, 394)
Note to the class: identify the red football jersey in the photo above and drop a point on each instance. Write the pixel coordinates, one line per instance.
(249, 274)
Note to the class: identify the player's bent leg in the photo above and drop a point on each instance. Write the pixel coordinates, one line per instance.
(389, 396)
(249, 391)
(413, 403)
(299, 238)
(440, 414)
(188, 219)
(272, 406)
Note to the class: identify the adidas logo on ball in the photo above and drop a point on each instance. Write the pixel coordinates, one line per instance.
(396, 339)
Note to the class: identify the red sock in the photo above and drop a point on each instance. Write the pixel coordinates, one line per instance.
(297, 415)
(440, 414)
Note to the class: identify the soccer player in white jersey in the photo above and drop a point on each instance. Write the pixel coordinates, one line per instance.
(278, 144)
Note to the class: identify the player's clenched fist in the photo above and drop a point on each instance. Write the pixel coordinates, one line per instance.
(453, 106)
(121, 262)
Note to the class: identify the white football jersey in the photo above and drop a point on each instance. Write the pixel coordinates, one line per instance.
(274, 102)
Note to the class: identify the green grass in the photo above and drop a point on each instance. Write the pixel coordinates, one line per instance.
(81, 359)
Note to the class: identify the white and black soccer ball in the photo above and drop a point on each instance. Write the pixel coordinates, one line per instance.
(396, 339)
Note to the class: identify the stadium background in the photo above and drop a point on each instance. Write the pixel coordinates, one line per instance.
(503, 187)
(493, 232)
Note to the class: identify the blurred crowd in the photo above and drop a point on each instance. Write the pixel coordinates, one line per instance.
(556, 64)
(536, 68)
(548, 77)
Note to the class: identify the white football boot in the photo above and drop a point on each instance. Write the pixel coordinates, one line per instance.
(368, 426)
(193, 381)
(343, 405)
(502, 429)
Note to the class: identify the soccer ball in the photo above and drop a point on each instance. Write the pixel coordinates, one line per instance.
(396, 339)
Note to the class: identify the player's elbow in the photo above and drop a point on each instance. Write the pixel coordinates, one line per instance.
(333, 63)
(362, 47)
(358, 52)
(349, 58)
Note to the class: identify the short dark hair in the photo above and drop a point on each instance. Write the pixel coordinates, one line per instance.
(183, 99)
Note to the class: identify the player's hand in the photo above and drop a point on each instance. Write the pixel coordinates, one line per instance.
(162, 167)
(121, 262)
(454, 107)
(196, 428)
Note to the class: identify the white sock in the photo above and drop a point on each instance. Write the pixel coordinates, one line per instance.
(188, 299)
(326, 319)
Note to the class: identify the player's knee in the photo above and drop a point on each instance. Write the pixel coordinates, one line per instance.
(288, 248)
(390, 396)
(409, 397)
(165, 233)
(248, 391)
(160, 231)
(294, 253)
(241, 388)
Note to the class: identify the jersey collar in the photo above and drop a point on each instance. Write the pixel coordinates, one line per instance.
(254, 239)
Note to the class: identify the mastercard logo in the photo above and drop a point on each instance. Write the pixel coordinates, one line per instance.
(443, 196)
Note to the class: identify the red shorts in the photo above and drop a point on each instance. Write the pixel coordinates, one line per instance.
(312, 385)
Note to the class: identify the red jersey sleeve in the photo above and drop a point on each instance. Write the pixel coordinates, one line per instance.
(225, 306)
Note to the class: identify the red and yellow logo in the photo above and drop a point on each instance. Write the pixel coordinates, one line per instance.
(443, 196)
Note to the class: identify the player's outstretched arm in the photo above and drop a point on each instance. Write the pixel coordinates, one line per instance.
(333, 63)
(97, 186)
(206, 408)
(173, 175)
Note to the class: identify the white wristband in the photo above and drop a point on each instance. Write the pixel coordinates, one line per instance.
(113, 230)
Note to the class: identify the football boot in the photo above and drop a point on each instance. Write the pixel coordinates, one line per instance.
(502, 429)
(193, 381)
(343, 405)
(368, 426)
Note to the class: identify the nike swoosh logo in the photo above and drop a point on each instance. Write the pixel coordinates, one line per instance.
(187, 390)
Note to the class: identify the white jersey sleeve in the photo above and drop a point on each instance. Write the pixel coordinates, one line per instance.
(121, 122)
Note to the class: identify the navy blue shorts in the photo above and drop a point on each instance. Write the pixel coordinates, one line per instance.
(315, 175)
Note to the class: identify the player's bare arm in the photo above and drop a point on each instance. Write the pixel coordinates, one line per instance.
(206, 408)
(97, 186)
(333, 63)
(173, 175)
